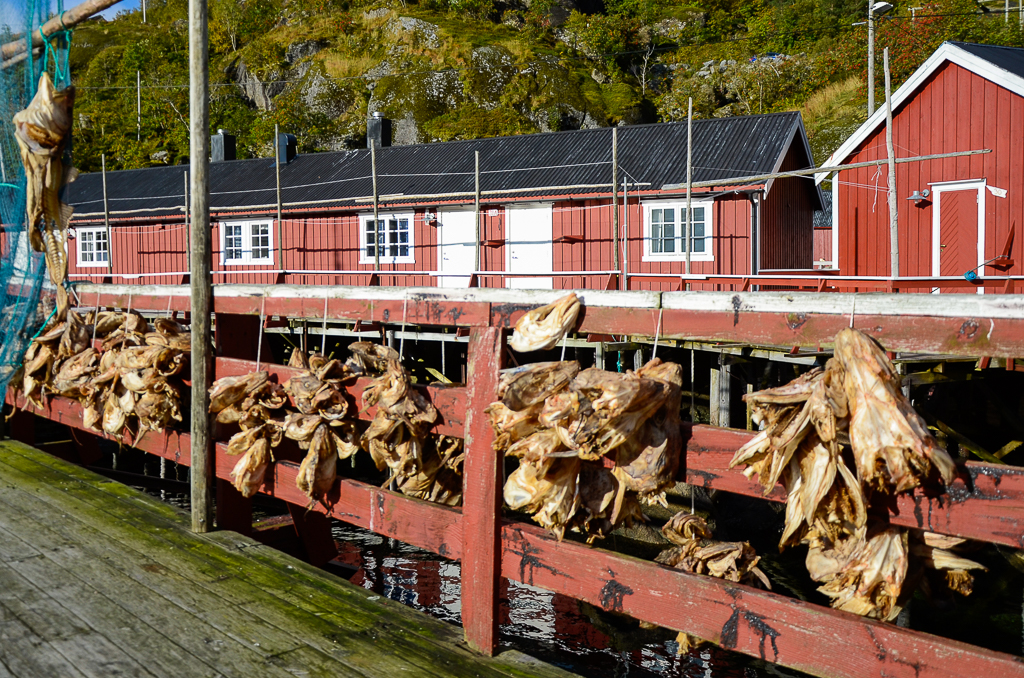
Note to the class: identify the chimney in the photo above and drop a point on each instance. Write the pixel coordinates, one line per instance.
(378, 130)
(286, 145)
(222, 146)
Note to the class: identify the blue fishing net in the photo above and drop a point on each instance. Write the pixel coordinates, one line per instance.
(23, 277)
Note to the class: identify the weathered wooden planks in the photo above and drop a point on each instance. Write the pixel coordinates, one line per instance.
(221, 603)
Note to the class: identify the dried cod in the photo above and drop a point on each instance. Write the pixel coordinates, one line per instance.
(41, 131)
(542, 328)
(697, 552)
(811, 429)
(560, 422)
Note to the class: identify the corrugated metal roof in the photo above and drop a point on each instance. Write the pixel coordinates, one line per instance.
(650, 155)
(823, 217)
(1010, 59)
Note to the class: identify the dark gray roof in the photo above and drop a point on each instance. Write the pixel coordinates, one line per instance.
(823, 217)
(652, 155)
(1010, 59)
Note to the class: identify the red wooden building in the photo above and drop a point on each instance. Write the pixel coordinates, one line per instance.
(546, 215)
(955, 214)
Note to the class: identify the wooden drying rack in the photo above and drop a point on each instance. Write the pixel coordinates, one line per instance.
(986, 502)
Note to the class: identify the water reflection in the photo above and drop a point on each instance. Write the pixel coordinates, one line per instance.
(556, 628)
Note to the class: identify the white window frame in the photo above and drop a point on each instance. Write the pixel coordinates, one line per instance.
(390, 237)
(91, 235)
(247, 231)
(679, 208)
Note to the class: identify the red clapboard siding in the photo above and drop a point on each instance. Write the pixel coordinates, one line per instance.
(953, 110)
(787, 230)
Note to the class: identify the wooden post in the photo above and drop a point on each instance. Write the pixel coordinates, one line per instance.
(476, 212)
(482, 482)
(106, 214)
(720, 383)
(201, 256)
(871, 58)
(615, 200)
(625, 234)
(689, 181)
(376, 214)
(277, 171)
(894, 231)
(138, 105)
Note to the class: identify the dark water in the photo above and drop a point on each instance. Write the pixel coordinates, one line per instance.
(546, 625)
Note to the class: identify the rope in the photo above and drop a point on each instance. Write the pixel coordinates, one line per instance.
(259, 344)
(657, 334)
(565, 340)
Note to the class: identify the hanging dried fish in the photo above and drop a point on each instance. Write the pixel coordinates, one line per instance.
(41, 131)
(542, 328)
(695, 551)
(893, 449)
(550, 412)
(854, 404)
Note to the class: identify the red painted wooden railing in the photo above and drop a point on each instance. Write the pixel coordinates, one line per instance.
(985, 503)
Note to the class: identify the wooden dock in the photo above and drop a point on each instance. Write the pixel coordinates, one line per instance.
(98, 579)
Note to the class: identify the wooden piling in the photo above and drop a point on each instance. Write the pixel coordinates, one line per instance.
(481, 511)
(201, 256)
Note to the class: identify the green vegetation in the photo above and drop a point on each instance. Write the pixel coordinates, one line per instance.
(461, 69)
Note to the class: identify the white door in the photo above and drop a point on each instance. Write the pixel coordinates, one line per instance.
(528, 245)
(456, 253)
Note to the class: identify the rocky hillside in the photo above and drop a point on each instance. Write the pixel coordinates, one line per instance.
(454, 69)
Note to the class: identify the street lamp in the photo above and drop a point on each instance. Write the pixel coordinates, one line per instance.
(874, 9)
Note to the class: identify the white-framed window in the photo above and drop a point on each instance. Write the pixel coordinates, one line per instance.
(246, 242)
(394, 237)
(93, 248)
(665, 231)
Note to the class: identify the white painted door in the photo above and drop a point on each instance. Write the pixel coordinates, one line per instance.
(456, 250)
(528, 246)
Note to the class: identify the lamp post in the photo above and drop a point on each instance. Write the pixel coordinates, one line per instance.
(874, 9)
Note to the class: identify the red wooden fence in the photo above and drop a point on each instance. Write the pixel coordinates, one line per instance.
(985, 503)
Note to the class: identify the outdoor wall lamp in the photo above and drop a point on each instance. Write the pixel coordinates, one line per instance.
(920, 196)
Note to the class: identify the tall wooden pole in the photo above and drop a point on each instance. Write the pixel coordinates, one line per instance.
(476, 212)
(106, 213)
(615, 201)
(871, 58)
(277, 171)
(894, 231)
(689, 182)
(376, 214)
(138, 105)
(625, 234)
(201, 256)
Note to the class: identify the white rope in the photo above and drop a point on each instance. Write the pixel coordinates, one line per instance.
(323, 334)
(853, 311)
(129, 311)
(657, 334)
(259, 341)
(169, 300)
(565, 340)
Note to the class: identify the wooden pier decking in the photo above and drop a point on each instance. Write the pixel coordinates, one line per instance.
(98, 579)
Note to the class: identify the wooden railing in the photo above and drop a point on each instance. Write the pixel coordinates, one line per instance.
(985, 502)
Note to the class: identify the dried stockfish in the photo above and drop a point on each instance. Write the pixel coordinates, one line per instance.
(542, 328)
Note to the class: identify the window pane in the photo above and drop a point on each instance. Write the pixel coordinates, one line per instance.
(371, 251)
(233, 241)
(656, 236)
